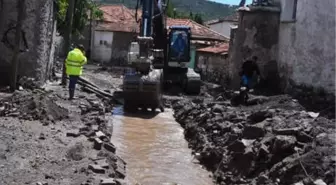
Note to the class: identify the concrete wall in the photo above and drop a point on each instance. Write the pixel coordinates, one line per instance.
(102, 46)
(39, 30)
(257, 34)
(223, 28)
(307, 46)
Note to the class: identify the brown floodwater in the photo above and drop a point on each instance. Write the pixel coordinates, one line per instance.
(155, 150)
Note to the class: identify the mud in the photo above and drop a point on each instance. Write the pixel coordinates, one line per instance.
(272, 141)
(155, 149)
(47, 139)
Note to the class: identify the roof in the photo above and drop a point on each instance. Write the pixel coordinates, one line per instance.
(120, 18)
(117, 18)
(216, 49)
(198, 31)
(231, 18)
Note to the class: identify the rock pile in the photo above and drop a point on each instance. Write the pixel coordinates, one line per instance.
(276, 142)
(32, 105)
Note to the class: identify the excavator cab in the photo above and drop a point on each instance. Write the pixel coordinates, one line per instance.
(179, 46)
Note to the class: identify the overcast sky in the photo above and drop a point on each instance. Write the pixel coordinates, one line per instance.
(231, 2)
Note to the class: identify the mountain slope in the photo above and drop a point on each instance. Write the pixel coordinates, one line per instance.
(208, 9)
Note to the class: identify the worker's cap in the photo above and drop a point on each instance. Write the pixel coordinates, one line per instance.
(81, 47)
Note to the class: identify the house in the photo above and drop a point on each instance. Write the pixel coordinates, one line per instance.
(223, 25)
(212, 62)
(113, 35)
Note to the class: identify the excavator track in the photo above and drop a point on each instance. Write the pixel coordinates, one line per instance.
(143, 91)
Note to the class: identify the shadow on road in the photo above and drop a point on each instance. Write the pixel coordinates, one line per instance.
(144, 114)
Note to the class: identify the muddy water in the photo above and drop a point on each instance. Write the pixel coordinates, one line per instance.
(155, 150)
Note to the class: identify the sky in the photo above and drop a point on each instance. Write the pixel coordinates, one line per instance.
(232, 2)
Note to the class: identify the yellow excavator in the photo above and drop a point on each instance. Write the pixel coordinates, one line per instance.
(158, 60)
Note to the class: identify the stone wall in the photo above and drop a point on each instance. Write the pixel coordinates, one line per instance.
(213, 67)
(39, 30)
(257, 34)
(307, 47)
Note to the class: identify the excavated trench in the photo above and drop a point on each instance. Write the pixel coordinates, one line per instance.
(155, 149)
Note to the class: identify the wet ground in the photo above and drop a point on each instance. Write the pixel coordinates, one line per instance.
(155, 150)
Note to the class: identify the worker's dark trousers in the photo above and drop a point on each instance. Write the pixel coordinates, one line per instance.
(72, 85)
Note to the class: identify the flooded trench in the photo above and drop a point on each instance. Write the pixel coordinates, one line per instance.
(155, 150)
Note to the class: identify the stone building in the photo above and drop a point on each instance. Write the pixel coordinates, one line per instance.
(213, 64)
(39, 29)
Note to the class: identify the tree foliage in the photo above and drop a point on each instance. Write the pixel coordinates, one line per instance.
(175, 13)
(81, 15)
(208, 9)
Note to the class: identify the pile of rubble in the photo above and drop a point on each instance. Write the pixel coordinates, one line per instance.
(80, 127)
(32, 105)
(275, 142)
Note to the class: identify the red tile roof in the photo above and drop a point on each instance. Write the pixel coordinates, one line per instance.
(198, 31)
(216, 49)
(117, 18)
(120, 18)
(231, 18)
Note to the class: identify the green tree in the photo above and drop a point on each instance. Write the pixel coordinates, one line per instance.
(81, 15)
(198, 18)
(170, 9)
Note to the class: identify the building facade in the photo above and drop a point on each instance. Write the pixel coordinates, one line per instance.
(223, 25)
(307, 43)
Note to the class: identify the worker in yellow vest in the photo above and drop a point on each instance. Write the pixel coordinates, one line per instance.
(74, 67)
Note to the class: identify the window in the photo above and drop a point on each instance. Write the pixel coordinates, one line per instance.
(288, 10)
(101, 42)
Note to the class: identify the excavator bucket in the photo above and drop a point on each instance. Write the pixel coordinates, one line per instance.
(143, 91)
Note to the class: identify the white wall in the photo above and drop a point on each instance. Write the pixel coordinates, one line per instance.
(102, 46)
(307, 46)
(222, 28)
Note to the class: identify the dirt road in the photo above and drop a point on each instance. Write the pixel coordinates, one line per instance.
(46, 139)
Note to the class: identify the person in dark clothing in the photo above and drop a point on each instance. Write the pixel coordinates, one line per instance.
(249, 67)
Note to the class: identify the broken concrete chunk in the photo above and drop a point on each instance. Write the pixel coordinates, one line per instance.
(101, 135)
(121, 182)
(319, 182)
(95, 128)
(109, 181)
(237, 146)
(97, 144)
(96, 168)
(304, 138)
(284, 143)
(110, 147)
(253, 131)
(287, 131)
(73, 133)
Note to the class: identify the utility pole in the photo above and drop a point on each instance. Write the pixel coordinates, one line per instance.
(15, 62)
(67, 36)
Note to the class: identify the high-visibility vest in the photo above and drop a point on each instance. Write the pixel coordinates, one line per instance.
(74, 62)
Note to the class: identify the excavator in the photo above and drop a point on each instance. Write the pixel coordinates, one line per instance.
(158, 59)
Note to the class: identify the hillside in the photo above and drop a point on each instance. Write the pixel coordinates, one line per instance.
(208, 9)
